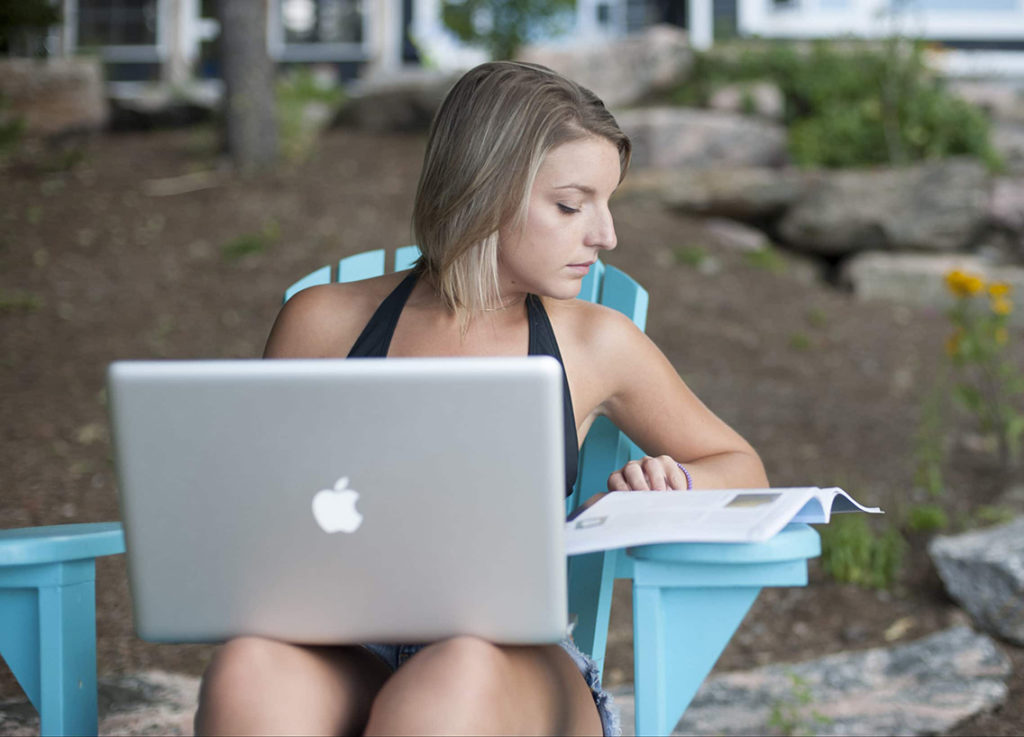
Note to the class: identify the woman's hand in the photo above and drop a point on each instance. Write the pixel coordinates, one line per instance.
(650, 474)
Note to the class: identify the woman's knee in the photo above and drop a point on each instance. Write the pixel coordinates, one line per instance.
(449, 686)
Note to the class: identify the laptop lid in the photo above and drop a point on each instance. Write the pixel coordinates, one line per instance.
(343, 501)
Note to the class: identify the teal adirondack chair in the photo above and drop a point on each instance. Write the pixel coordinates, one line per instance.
(688, 599)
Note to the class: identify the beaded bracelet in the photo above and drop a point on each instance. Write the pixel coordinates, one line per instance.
(689, 478)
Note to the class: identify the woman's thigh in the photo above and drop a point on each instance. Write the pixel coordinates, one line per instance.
(260, 686)
(469, 686)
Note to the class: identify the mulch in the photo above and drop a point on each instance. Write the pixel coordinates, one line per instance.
(98, 263)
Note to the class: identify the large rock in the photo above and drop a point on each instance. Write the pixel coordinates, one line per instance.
(936, 206)
(1008, 142)
(739, 193)
(1000, 100)
(924, 687)
(984, 572)
(403, 101)
(919, 278)
(621, 71)
(691, 138)
(750, 98)
(55, 96)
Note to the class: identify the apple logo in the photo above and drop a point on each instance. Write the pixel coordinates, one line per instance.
(335, 509)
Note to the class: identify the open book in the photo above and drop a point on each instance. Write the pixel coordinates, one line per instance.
(620, 519)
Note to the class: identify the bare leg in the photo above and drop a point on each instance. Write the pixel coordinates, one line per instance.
(260, 686)
(469, 686)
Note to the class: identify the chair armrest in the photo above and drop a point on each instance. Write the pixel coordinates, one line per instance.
(55, 543)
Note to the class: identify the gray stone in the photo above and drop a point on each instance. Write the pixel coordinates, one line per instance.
(752, 98)
(936, 206)
(735, 236)
(984, 572)
(1002, 101)
(924, 687)
(621, 71)
(55, 96)
(1008, 142)
(919, 278)
(404, 101)
(670, 137)
(738, 193)
(153, 702)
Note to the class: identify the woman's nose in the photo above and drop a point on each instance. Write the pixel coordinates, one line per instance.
(602, 233)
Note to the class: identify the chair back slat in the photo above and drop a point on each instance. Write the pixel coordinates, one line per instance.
(361, 266)
(405, 257)
(316, 278)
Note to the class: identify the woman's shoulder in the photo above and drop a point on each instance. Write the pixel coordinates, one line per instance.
(590, 324)
(325, 320)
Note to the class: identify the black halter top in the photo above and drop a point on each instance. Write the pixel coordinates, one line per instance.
(375, 340)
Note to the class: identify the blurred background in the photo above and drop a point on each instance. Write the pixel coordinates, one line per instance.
(826, 205)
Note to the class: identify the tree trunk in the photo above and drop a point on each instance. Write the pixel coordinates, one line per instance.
(250, 124)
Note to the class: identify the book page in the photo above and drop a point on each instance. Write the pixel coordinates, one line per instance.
(627, 518)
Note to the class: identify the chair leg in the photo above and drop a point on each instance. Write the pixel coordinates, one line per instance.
(678, 635)
(67, 628)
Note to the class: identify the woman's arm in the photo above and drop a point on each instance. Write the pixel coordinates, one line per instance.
(647, 400)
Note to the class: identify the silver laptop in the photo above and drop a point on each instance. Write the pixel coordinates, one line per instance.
(343, 501)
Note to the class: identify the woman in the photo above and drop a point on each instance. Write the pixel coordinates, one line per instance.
(511, 211)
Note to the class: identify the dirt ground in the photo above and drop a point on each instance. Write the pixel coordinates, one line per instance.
(98, 263)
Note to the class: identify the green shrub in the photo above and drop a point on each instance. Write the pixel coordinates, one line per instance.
(851, 552)
(927, 518)
(299, 94)
(851, 103)
(248, 244)
(692, 256)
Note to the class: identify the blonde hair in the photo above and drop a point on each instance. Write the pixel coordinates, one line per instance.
(486, 144)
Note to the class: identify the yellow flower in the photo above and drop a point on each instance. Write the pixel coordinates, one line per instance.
(1002, 306)
(999, 289)
(963, 284)
(1002, 335)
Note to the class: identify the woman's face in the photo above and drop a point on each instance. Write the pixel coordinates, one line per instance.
(567, 222)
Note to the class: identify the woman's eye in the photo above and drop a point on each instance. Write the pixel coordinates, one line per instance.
(566, 209)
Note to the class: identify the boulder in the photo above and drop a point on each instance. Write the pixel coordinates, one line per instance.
(55, 96)
(734, 236)
(984, 571)
(403, 101)
(921, 688)
(1008, 142)
(1000, 100)
(621, 71)
(738, 193)
(919, 278)
(935, 206)
(753, 98)
(670, 137)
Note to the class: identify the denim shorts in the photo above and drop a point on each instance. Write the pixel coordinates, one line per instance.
(397, 655)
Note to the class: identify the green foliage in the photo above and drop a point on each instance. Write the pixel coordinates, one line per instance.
(988, 515)
(768, 259)
(503, 26)
(850, 103)
(851, 552)
(929, 439)
(250, 243)
(304, 106)
(987, 382)
(927, 518)
(19, 301)
(790, 715)
(692, 256)
(800, 341)
(817, 318)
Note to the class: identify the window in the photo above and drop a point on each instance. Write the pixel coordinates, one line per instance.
(117, 22)
(322, 21)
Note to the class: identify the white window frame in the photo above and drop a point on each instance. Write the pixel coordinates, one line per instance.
(123, 53)
(313, 52)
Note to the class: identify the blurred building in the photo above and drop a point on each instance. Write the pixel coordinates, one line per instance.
(173, 42)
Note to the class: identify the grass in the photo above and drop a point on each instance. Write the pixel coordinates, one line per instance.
(767, 259)
(249, 244)
(852, 552)
(691, 256)
(17, 300)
